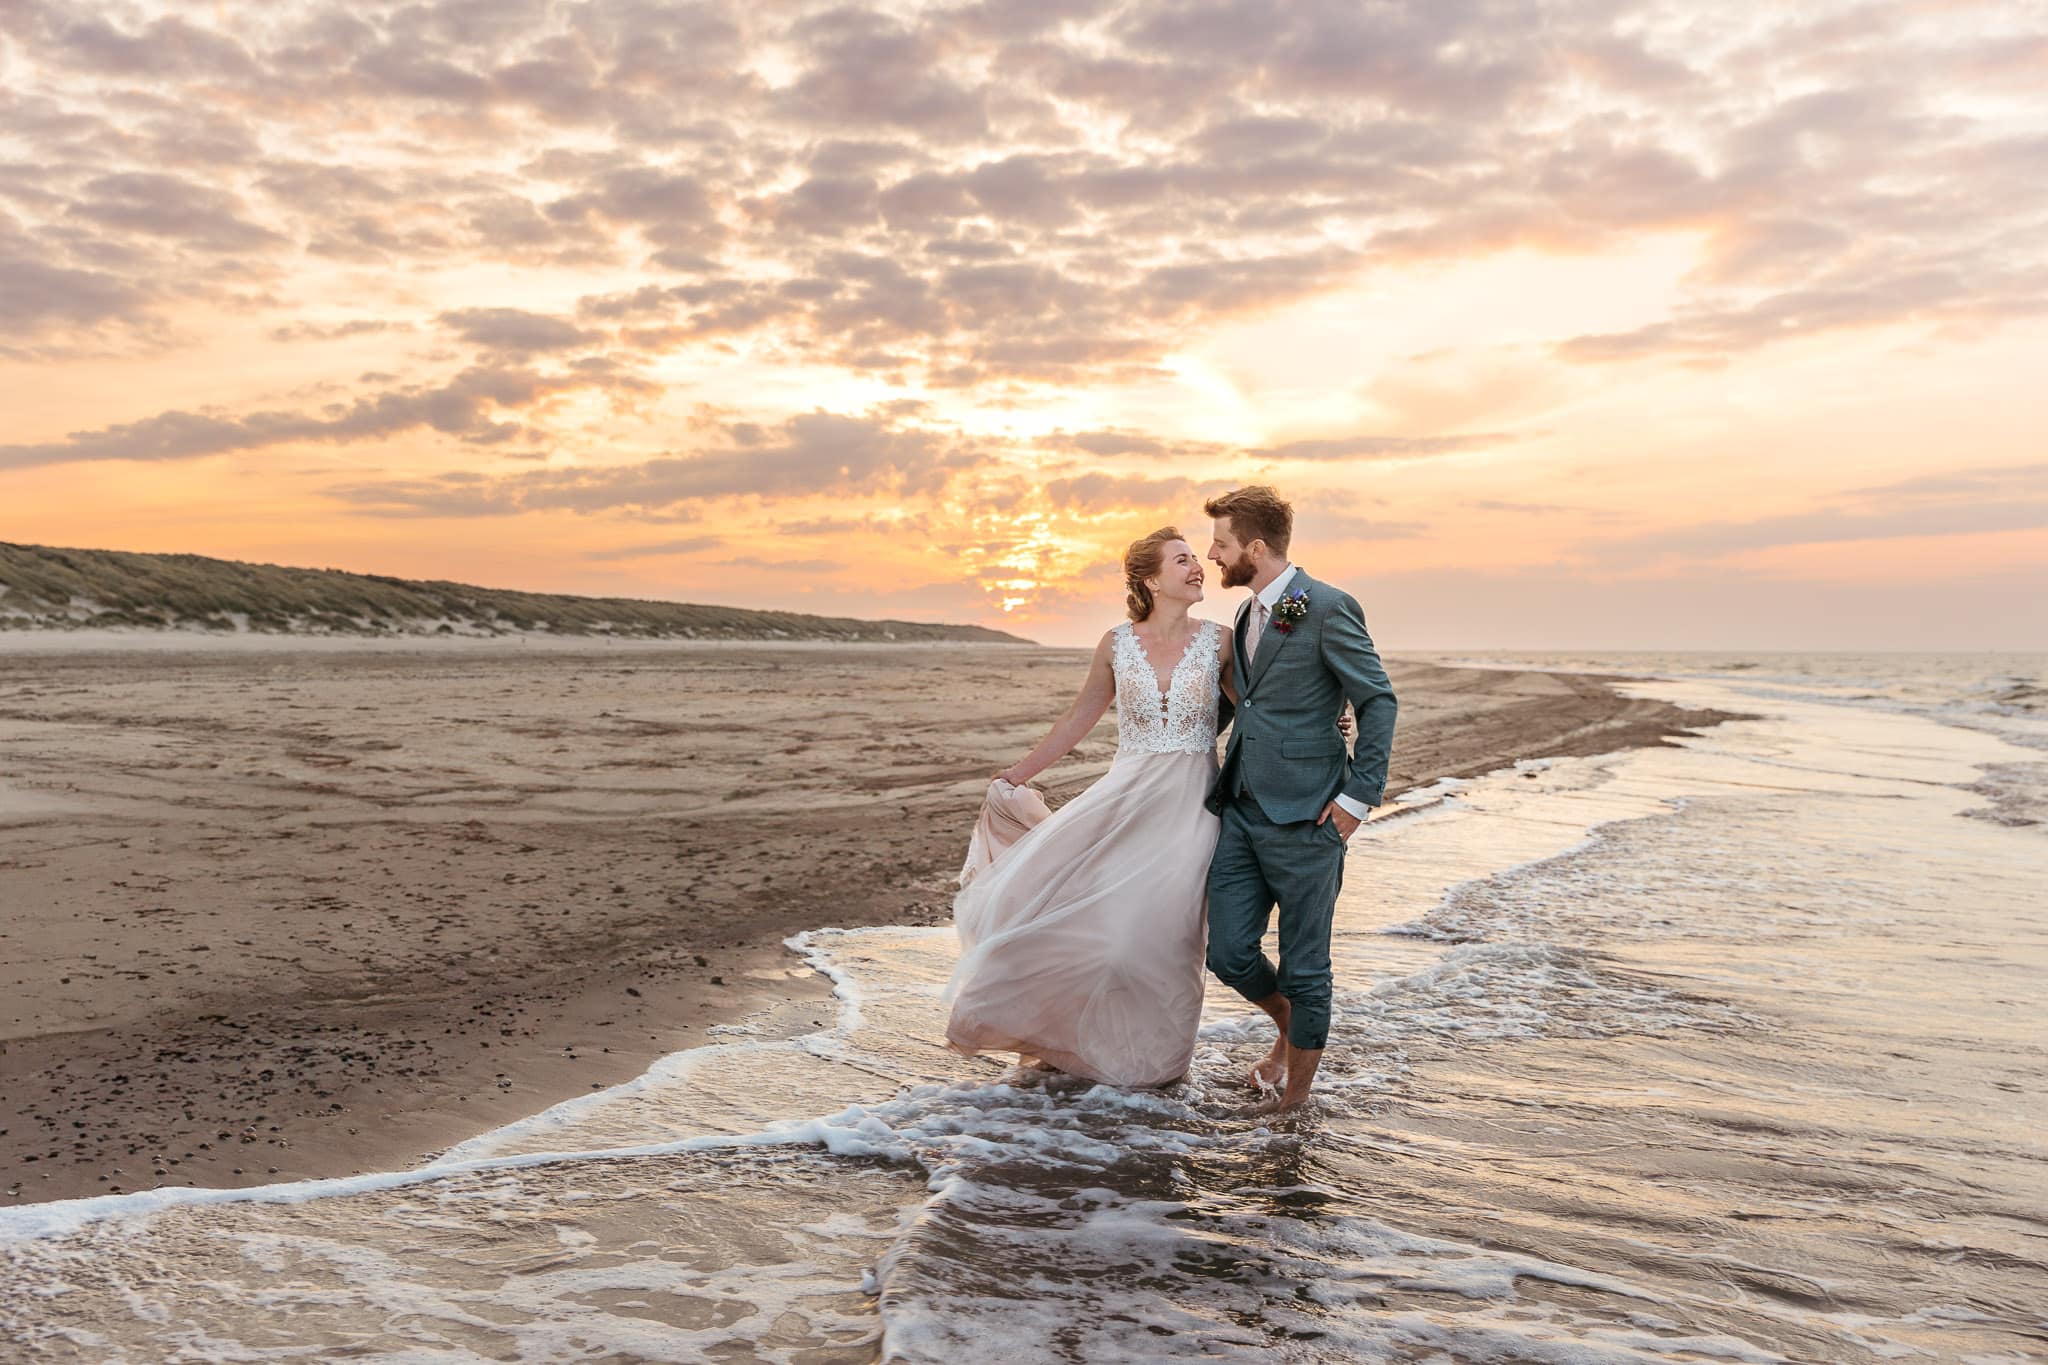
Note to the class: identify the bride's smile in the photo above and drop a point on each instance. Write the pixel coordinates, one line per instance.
(1180, 558)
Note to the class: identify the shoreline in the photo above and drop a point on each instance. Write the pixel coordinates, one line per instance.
(426, 994)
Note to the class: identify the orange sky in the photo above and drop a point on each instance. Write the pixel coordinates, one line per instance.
(1571, 325)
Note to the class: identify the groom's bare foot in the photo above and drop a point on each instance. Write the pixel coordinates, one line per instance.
(1301, 1077)
(1280, 1101)
(1272, 1068)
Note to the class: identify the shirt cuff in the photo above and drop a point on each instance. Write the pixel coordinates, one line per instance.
(1357, 810)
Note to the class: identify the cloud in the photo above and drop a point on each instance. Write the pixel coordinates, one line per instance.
(158, 205)
(830, 205)
(441, 496)
(1520, 508)
(671, 209)
(1907, 510)
(863, 69)
(1285, 150)
(924, 199)
(895, 524)
(1315, 524)
(1246, 136)
(336, 331)
(806, 455)
(1092, 493)
(515, 330)
(814, 452)
(1109, 442)
(1023, 188)
(1009, 199)
(1985, 499)
(1220, 287)
(2017, 480)
(1547, 609)
(1013, 19)
(460, 407)
(401, 70)
(1383, 447)
(33, 293)
(681, 545)
(1933, 294)
(804, 566)
(167, 47)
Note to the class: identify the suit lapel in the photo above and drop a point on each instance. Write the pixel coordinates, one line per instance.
(1274, 640)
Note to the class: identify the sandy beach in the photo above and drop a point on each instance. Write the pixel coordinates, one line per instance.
(269, 910)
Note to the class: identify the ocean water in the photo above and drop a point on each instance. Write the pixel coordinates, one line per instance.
(1729, 1051)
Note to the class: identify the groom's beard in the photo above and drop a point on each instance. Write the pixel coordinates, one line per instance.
(1238, 573)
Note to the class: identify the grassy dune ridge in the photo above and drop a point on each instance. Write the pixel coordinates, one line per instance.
(42, 587)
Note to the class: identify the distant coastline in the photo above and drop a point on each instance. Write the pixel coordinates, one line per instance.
(45, 588)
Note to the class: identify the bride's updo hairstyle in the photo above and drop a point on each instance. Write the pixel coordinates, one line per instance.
(1141, 561)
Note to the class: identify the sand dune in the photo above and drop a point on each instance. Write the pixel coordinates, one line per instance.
(45, 588)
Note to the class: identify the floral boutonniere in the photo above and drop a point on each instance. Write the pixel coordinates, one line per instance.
(1291, 610)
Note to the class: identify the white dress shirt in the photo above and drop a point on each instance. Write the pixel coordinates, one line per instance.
(1268, 597)
(1270, 594)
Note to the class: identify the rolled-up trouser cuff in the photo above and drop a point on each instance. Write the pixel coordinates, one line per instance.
(1255, 983)
(1308, 1024)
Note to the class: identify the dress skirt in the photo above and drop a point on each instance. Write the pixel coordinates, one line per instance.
(1082, 944)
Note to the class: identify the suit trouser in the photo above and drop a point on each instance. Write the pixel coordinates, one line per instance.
(1260, 864)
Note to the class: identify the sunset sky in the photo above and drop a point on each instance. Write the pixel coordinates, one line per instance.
(1567, 324)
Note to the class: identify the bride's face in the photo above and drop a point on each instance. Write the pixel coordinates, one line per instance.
(1180, 574)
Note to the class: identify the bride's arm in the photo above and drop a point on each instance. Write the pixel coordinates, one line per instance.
(1097, 692)
(1226, 654)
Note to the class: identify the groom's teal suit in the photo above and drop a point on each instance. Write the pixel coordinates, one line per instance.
(1284, 764)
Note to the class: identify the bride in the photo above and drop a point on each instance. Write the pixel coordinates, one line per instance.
(1082, 945)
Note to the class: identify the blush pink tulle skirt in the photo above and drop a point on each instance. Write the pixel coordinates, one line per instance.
(1082, 942)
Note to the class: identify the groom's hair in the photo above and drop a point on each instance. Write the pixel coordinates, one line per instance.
(1256, 512)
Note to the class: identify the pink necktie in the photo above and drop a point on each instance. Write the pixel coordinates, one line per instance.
(1257, 632)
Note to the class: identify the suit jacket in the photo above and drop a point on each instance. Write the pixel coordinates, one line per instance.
(1285, 747)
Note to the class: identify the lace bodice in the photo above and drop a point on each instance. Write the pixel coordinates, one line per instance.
(1182, 720)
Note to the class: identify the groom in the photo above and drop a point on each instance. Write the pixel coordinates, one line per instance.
(1288, 797)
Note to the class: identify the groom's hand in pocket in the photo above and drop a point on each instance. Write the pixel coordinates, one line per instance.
(1346, 821)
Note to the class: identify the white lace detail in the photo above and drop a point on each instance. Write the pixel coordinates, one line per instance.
(1182, 720)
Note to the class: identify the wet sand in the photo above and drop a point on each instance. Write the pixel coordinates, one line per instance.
(282, 911)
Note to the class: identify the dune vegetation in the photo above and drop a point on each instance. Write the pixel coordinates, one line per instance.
(47, 588)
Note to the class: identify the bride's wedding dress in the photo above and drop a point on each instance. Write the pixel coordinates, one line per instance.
(1082, 943)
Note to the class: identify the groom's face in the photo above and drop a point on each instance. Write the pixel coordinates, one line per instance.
(1232, 558)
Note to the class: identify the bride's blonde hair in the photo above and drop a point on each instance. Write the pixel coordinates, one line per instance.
(1141, 561)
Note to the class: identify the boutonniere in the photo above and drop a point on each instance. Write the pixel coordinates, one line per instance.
(1291, 610)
